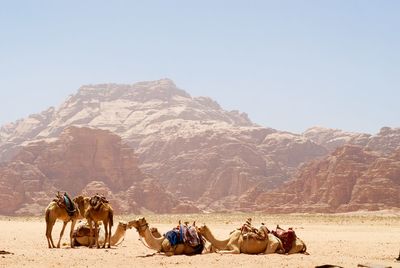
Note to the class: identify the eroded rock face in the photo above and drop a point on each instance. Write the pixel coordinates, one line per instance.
(81, 161)
(196, 150)
(334, 138)
(188, 151)
(351, 178)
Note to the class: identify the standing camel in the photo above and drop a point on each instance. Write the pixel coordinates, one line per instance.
(99, 210)
(162, 244)
(62, 208)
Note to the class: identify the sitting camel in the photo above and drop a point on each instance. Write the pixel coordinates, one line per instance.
(100, 210)
(208, 248)
(82, 234)
(62, 208)
(160, 244)
(237, 243)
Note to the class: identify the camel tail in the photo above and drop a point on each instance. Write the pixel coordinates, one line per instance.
(111, 218)
(47, 218)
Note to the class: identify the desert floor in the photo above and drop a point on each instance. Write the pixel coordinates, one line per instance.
(342, 239)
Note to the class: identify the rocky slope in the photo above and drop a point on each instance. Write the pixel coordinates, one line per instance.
(196, 149)
(351, 178)
(81, 160)
(386, 142)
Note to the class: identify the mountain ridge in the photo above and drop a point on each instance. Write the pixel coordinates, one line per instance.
(196, 150)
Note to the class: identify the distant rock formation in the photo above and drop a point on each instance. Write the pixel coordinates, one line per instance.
(351, 178)
(334, 138)
(187, 150)
(81, 160)
(197, 150)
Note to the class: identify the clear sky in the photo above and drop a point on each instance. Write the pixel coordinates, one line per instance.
(289, 64)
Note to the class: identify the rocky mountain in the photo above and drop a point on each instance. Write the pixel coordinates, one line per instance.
(351, 178)
(334, 138)
(186, 150)
(197, 150)
(387, 141)
(81, 160)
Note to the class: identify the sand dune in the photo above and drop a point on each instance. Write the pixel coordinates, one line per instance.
(345, 240)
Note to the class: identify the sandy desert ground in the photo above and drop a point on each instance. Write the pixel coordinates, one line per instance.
(346, 240)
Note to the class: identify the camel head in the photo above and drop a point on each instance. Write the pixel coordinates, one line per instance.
(154, 231)
(78, 199)
(123, 225)
(82, 203)
(203, 229)
(138, 224)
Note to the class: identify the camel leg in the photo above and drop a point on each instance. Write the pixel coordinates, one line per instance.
(49, 228)
(109, 234)
(72, 232)
(96, 234)
(233, 246)
(90, 233)
(105, 223)
(233, 251)
(271, 247)
(62, 233)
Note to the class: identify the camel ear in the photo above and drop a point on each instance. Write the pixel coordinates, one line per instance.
(194, 223)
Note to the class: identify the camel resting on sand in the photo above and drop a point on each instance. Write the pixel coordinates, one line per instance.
(160, 244)
(236, 243)
(82, 234)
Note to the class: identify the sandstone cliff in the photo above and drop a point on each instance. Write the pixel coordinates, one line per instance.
(81, 160)
(351, 178)
(197, 150)
(187, 149)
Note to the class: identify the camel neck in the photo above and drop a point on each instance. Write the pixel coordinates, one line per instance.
(219, 244)
(152, 242)
(116, 237)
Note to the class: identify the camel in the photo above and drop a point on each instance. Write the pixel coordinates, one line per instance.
(83, 204)
(57, 210)
(160, 244)
(82, 234)
(236, 243)
(100, 210)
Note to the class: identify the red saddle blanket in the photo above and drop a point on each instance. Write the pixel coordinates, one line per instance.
(286, 236)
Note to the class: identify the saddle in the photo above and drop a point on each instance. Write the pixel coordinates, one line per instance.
(187, 234)
(286, 236)
(248, 231)
(64, 201)
(96, 201)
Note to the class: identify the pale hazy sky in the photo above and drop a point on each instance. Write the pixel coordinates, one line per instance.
(289, 64)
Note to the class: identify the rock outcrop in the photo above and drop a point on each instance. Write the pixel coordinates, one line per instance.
(187, 149)
(197, 150)
(352, 178)
(81, 160)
